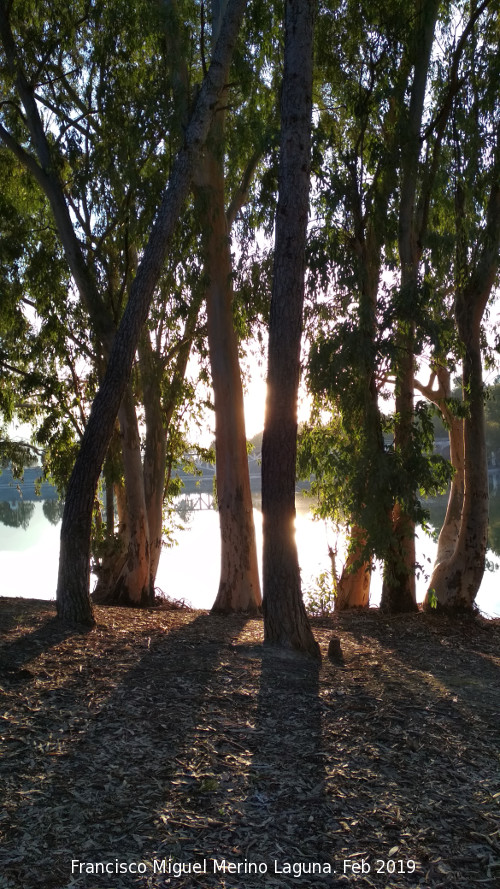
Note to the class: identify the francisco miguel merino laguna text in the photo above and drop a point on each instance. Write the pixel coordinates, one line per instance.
(207, 865)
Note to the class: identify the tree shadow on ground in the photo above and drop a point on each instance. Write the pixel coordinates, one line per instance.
(460, 656)
(180, 739)
(38, 638)
(419, 783)
(98, 751)
(285, 803)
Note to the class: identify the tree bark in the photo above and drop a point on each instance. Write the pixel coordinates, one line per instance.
(398, 591)
(455, 581)
(239, 585)
(285, 619)
(353, 587)
(133, 584)
(154, 452)
(450, 529)
(458, 573)
(73, 601)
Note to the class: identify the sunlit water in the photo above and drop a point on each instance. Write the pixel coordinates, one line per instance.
(190, 570)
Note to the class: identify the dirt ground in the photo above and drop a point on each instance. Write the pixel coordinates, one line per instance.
(176, 741)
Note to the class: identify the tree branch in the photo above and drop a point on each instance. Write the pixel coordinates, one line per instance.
(240, 196)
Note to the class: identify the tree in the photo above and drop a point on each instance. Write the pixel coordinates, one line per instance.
(457, 575)
(285, 620)
(73, 581)
(88, 127)
(362, 96)
(239, 586)
(386, 158)
(398, 591)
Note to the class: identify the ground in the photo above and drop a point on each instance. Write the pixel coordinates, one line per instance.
(177, 735)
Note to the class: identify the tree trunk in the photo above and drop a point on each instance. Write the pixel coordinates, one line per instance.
(285, 619)
(398, 591)
(133, 585)
(154, 452)
(239, 585)
(456, 580)
(124, 577)
(353, 587)
(450, 529)
(73, 601)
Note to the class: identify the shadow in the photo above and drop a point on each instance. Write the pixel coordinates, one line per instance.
(285, 806)
(412, 760)
(459, 656)
(180, 740)
(15, 611)
(93, 786)
(17, 653)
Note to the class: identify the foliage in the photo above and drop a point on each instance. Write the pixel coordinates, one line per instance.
(319, 598)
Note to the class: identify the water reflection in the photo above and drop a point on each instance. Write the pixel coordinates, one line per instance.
(29, 549)
(53, 510)
(16, 515)
(437, 509)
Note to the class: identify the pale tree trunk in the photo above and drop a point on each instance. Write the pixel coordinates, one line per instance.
(450, 529)
(73, 600)
(456, 577)
(398, 591)
(285, 619)
(353, 586)
(455, 581)
(239, 585)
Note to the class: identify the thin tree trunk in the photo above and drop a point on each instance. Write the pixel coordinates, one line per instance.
(112, 558)
(73, 601)
(285, 619)
(398, 591)
(239, 585)
(133, 586)
(154, 452)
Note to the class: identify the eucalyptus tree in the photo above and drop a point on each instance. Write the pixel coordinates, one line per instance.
(361, 86)
(384, 142)
(85, 116)
(72, 595)
(398, 592)
(221, 183)
(364, 101)
(67, 110)
(474, 190)
(285, 619)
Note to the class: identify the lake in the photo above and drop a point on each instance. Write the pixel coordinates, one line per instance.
(29, 549)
